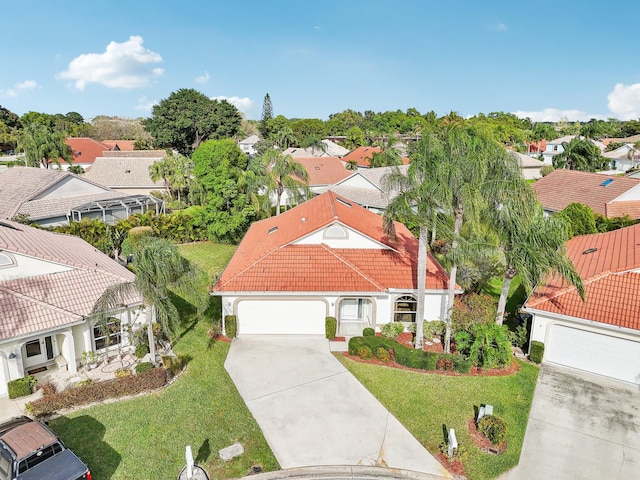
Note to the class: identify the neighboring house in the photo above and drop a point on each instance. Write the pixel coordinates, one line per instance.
(326, 257)
(127, 174)
(608, 196)
(362, 155)
(331, 149)
(54, 197)
(248, 144)
(335, 150)
(623, 158)
(530, 167)
(632, 139)
(366, 187)
(85, 151)
(602, 334)
(49, 284)
(323, 172)
(120, 145)
(556, 146)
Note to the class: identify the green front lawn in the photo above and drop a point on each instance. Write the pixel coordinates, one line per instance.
(428, 404)
(145, 438)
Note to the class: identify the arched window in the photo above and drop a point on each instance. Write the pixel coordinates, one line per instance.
(7, 260)
(335, 232)
(405, 309)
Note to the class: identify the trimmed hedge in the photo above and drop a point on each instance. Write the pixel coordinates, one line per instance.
(98, 392)
(536, 353)
(409, 357)
(330, 327)
(21, 387)
(368, 332)
(493, 428)
(231, 326)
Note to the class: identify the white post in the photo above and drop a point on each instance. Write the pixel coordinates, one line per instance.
(189, 457)
(453, 443)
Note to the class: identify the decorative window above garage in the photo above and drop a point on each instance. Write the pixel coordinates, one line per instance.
(336, 232)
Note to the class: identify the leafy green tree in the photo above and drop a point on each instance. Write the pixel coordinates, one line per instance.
(9, 118)
(579, 218)
(486, 345)
(284, 137)
(218, 167)
(308, 126)
(159, 270)
(42, 145)
(267, 115)
(580, 154)
(187, 118)
(77, 169)
(7, 136)
(354, 138)
(176, 171)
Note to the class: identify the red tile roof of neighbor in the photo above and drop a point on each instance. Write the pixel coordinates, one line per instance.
(562, 187)
(538, 147)
(271, 262)
(85, 150)
(608, 264)
(124, 145)
(324, 170)
(362, 155)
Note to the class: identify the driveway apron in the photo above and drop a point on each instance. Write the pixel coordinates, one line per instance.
(581, 426)
(312, 411)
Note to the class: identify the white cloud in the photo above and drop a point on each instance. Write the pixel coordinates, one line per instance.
(624, 101)
(501, 27)
(557, 115)
(20, 87)
(244, 104)
(203, 78)
(145, 104)
(122, 65)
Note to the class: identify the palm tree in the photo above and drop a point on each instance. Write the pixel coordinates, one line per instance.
(284, 137)
(176, 171)
(276, 173)
(415, 203)
(314, 142)
(580, 154)
(533, 246)
(159, 269)
(42, 145)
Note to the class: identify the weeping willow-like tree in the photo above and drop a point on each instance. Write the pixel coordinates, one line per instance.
(159, 270)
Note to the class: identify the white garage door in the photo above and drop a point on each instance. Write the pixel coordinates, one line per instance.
(281, 317)
(594, 352)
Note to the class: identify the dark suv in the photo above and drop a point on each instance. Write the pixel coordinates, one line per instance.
(30, 451)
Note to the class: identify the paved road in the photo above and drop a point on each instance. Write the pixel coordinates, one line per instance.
(581, 427)
(312, 411)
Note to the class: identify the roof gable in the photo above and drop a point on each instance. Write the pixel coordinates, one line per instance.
(324, 170)
(85, 150)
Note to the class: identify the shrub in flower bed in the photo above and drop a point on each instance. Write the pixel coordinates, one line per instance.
(365, 352)
(21, 387)
(383, 354)
(98, 392)
(493, 428)
(143, 367)
(409, 357)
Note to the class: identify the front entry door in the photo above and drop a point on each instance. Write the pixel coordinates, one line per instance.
(38, 351)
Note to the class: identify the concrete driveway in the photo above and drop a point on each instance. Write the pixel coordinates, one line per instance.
(312, 411)
(581, 426)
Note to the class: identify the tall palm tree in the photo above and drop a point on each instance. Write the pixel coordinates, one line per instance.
(415, 203)
(42, 145)
(533, 246)
(159, 269)
(284, 137)
(580, 154)
(314, 142)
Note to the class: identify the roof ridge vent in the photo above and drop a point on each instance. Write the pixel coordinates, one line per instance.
(273, 230)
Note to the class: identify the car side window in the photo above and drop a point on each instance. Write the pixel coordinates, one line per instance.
(39, 456)
(5, 468)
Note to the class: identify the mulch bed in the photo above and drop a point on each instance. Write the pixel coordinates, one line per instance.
(482, 442)
(222, 338)
(453, 466)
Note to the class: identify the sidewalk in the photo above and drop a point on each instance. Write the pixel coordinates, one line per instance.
(15, 407)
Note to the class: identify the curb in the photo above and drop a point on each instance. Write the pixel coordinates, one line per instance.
(343, 472)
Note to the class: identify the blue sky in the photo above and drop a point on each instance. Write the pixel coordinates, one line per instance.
(546, 59)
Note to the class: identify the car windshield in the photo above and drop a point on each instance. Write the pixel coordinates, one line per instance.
(38, 457)
(5, 468)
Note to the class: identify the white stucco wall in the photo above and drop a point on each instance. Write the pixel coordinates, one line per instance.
(353, 239)
(631, 194)
(27, 266)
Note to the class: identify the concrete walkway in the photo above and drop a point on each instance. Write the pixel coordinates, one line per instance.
(15, 407)
(312, 411)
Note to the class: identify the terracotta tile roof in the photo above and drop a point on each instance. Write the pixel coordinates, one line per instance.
(362, 155)
(324, 170)
(267, 261)
(124, 145)
(41, 302)
(538, 147)
(85, 150)
(562, 187)
(607, 263)
(123, 172)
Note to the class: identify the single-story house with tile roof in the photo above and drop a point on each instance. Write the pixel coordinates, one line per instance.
(49, 284)
(127, 174)
(85, 151)
(326, 257)
(623, 158)
(120, 145)
(362, 155)
(247, 145)
(530, 167)
(611, 196)
(366, 187)
(54, 197)
(602, 334)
